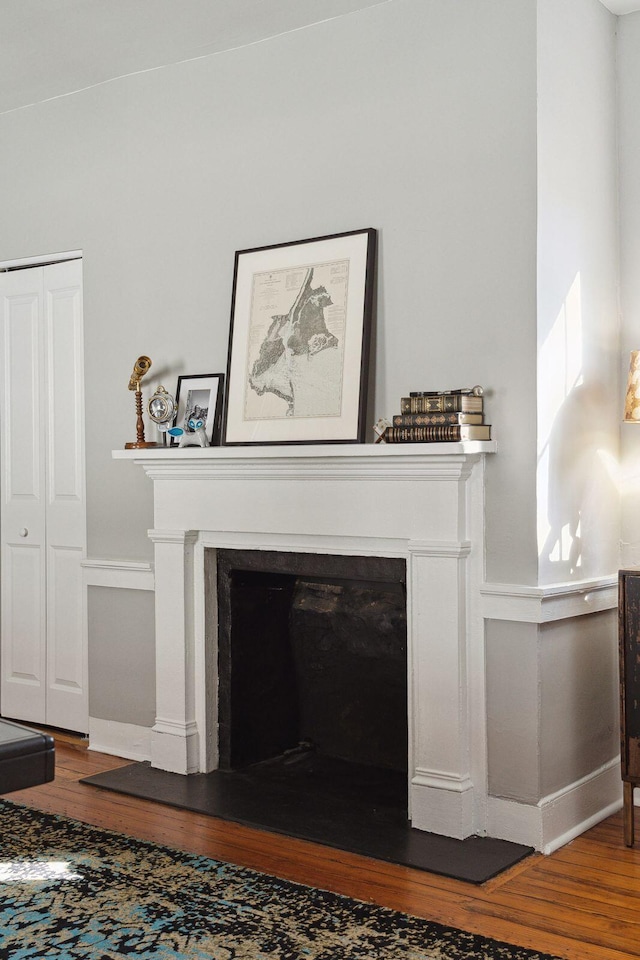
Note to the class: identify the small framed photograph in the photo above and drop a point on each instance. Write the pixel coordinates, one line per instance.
(199, 401)
(299, 341)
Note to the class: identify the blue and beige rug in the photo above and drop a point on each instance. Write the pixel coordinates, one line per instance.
(69, 891)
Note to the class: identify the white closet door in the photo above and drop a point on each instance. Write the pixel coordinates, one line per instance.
(43, 521)
(23, 518)
(63, 423)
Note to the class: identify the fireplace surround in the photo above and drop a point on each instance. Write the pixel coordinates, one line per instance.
(422, 505)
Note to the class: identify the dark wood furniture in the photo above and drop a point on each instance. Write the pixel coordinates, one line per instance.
(27, 757)
(629, 644)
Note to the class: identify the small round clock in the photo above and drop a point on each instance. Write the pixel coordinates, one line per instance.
(162, 408)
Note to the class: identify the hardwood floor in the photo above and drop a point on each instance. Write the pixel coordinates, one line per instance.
(582, 902)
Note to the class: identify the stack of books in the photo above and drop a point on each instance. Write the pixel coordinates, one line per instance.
(436, 416)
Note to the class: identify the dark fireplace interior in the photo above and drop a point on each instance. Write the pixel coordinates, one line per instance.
(312, 659)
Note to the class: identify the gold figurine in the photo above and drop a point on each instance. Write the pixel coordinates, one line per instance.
(140, 367)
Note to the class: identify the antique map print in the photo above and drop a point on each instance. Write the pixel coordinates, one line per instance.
(296, 342)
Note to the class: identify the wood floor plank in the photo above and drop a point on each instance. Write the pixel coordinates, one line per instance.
(628, 867)
(600, 881)
(579, 903)
(574, 921)
(580, 895)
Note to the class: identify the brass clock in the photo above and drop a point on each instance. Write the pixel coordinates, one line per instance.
(162, 410)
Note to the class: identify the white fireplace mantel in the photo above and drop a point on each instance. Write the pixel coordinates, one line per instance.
(423, 503)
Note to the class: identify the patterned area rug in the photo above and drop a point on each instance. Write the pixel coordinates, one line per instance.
(71, 891)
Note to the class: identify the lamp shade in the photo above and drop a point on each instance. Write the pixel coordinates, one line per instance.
(632, 399)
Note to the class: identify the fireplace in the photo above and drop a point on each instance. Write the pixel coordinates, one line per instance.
(312, 667)
(419, 506)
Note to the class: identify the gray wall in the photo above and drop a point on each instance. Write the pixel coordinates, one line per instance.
(552, 703)
(415, 118)
(513, 705)
(122, 655)
(579, 716)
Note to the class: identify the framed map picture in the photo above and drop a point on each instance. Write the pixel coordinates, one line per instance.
(299, 341)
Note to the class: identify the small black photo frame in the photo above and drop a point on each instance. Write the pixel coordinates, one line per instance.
(199, 399)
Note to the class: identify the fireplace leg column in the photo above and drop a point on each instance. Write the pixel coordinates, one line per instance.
(441, 789)
(174, 738)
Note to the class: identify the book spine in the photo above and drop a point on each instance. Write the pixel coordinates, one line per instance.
(436, 433)
(444, 403)
(427, 419)
(476, 391)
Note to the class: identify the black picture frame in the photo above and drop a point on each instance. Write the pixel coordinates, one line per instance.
(211, 388)
(299, 341)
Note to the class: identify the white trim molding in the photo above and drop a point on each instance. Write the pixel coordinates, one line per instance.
(559, 817)
(40, 260)
(125, 574)
(558, 601)
(126, 740)
(446, 801)
(440, 548)
(175, 746)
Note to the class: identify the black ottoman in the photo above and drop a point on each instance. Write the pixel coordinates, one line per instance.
(27, 757)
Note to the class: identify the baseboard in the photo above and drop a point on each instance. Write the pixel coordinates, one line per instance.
(126, 740)
(561, 816)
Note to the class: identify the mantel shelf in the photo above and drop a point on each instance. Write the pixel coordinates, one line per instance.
(310, 451)
(326, 461)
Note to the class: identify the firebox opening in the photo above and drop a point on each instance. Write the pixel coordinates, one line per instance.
(312, 663)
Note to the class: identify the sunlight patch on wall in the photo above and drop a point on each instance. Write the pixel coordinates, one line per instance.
(611, 466)
(559, 374)
(563, 544)
(560, 363)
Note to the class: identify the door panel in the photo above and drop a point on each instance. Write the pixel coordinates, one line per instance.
(22, 447)
(23, 647)
(43, 496)
(66, 512)
(66, 675)
(65, 408)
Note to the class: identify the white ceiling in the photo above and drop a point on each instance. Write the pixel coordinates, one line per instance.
(55, 48)
(622, 6)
